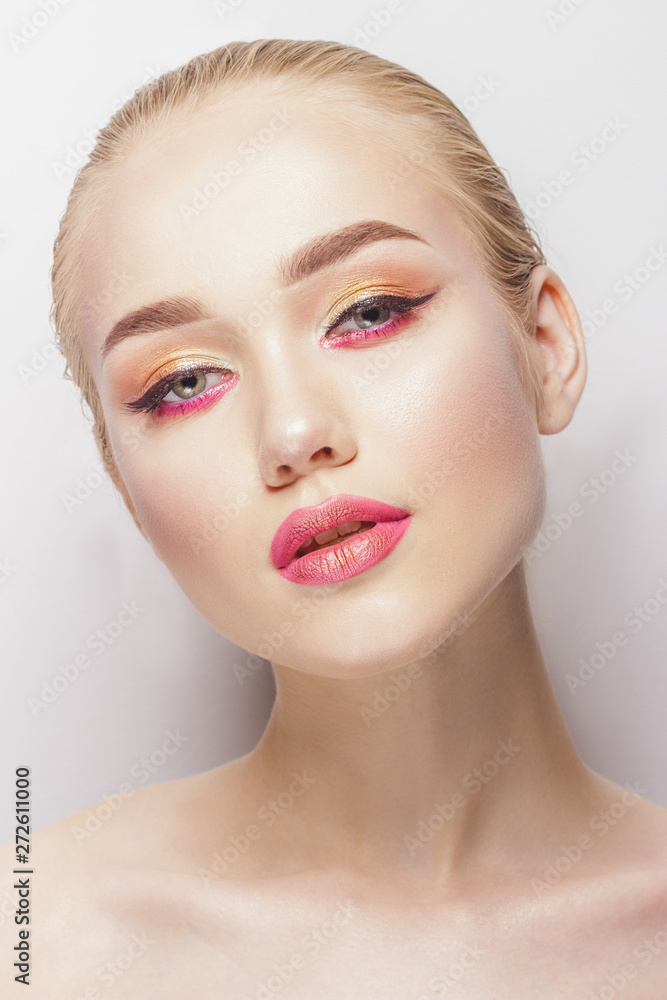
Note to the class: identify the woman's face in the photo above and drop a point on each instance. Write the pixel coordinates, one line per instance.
(294, 406)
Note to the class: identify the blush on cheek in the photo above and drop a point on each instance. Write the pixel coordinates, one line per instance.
(164, 517)
(480, 477)
(504, 474)
(198, 521)
(166, 505)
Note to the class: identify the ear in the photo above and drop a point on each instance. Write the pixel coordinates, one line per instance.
(560, 338)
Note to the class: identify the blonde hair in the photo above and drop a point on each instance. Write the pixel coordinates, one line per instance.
(447, 152)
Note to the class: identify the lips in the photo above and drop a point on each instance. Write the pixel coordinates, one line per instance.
(300, 528)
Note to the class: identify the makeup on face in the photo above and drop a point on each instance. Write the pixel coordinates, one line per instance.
(361, 311)
(201, 384)
(349, 534)
(258, 403)
(305, 548)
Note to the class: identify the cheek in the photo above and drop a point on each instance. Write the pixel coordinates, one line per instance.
(185, 496)
(196, 508)
(453, 439)
(474, 473)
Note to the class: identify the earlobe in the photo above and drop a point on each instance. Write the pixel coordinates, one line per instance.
(560, 338)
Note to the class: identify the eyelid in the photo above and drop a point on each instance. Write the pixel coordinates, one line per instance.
(184, 363)
(401, 303)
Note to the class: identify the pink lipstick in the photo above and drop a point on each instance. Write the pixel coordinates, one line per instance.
(369, 530)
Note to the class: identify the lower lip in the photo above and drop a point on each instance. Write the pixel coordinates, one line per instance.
(349, 557)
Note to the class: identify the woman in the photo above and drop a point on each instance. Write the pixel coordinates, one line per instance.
(294, 288)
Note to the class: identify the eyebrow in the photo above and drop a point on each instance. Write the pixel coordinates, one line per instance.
(324, 250)
(312, 256)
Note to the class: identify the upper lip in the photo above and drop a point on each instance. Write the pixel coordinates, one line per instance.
(305, 522)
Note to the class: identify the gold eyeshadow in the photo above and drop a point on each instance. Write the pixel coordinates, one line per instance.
(364, 290)
(384, 276)
(152, 362)
(182, 359)
(135, 377)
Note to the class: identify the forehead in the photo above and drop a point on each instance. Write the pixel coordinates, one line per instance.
(216, 197)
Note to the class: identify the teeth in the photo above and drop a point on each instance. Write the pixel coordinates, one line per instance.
(341, 529)
(331, 534)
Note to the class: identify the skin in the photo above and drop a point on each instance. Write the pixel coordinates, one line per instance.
(447, 609)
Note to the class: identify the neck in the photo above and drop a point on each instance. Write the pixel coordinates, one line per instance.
(424, 770)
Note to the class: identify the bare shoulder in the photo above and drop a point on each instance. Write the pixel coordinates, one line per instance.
(145, 828)
(630, 911)
(640, 826)
(626, 845)
(100, 878)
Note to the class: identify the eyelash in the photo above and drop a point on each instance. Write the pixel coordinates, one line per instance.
(153, 400)
(399, 304)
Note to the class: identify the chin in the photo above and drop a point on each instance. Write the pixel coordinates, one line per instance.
(387, 628)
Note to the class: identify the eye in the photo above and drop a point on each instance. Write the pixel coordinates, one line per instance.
(373, 315)
(184, 390)
(187, 387)
(371, 319)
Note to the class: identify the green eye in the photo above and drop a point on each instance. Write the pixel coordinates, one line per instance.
(190, 386)
(371, 315)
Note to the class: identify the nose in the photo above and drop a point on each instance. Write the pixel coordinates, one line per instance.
(302, 432)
